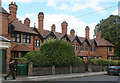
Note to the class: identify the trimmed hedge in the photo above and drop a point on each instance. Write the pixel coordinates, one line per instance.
(99, 61)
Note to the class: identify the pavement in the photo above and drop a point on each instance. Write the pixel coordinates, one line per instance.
(54, 77)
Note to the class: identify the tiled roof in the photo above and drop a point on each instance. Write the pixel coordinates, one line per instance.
(21, 47)
(2, 10)
(104, 42)
(22, 28)
(82, 39)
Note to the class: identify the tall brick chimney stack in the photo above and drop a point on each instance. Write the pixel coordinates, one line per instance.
(98, 37)
(53, 28)
(27, 22)
(13, 11)
(40, 22)
(87, 29)
(72, 32)
(64, 26)
(0, 3)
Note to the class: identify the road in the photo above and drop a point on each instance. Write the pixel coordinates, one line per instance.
(95, 79)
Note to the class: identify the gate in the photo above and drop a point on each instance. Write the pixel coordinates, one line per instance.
(21, 68)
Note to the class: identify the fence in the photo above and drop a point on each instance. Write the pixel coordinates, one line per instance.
(63, 70)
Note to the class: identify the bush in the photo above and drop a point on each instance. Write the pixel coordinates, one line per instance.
(78, 62)
(37, 58)
(59, 52)
(99, 61)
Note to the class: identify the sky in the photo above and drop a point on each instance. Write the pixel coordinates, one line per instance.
(77, 13)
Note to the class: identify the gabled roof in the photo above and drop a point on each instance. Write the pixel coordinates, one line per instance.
(93, 41)
(86, 40)
(39, 35)
(52, 34)
(65, 36)
(2, 10)
(18, 26)
(4, 39)
(21, 47)
(104, 42)
(76, 38)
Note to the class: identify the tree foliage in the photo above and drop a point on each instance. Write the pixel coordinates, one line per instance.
(110, 28)
(59, 52)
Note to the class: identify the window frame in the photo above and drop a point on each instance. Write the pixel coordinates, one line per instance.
(82, 48)
(16, 37)
(110, 49)
(26, 38)
(86, 48)
(77, 47)
(36, 43)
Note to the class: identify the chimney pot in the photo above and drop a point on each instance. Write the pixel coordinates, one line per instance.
(27, 22)
(87, 29)
(98, 37)
(72, 32)
(64, 26)
(40, 22)
(53, 28)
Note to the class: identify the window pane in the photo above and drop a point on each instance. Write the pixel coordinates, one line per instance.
(24, 36)
(77, 47)
(82, 48)
(28, 41)
(24, 41)
(18, 39)
(110, 49)
(13, 39)
(16, 55)
(86, 48)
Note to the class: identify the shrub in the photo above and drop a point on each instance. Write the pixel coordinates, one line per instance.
(77, 62)
(59, 52)
(37, 58)
(99, 61)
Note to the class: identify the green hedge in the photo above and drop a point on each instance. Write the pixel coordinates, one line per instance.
(99, 61)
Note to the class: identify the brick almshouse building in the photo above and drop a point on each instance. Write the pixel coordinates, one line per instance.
(25, 38)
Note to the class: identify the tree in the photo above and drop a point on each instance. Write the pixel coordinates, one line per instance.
(110, 29)
(59, 52)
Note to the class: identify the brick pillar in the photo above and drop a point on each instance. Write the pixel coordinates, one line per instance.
(8, 58)
(70, 68)
(53, 70)
(30, 68)
(19, 54)
(21, 38)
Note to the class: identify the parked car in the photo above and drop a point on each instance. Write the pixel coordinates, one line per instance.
(114, 70)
